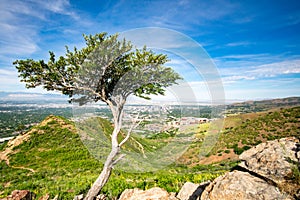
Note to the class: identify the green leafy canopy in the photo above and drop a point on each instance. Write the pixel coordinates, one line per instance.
(104, 69)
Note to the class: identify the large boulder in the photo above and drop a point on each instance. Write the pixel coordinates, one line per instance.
(155, 193)
(191, 191)
(238, 185)
(273, 159)
(264, 169)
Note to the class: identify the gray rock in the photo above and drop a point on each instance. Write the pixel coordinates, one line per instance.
(172, 196)
(78, 197)
(101, 197)
(191, 191)
(155, 193)
(56, 197)
(239, 185)
(273, 159)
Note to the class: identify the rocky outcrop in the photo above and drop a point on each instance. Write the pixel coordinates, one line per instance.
(191, 191)
(273, 160)
(99, 197)
(155, 193)
(264, 174)
(238, 185)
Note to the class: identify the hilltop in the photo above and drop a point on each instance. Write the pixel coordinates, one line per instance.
(48, 158)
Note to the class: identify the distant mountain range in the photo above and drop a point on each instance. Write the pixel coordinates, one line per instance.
(262, 105)
(45, 98)
(32, 97)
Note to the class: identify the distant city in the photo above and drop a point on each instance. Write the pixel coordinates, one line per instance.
(20, 111)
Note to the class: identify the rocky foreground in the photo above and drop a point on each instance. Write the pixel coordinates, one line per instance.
(267, 171)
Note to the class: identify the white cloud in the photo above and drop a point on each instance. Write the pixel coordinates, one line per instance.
(158, 37)
(278, 68)
(232, 79)
(178, 15)
(255, 66)
(57, 6)
(6, 72)
(248, 57)
(265, 88)
(10, 9)
(15, 37)
(22, 21)
(14, 43)
(235, 44)
(9, 80)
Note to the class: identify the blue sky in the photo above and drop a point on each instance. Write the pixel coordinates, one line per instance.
(255, 45)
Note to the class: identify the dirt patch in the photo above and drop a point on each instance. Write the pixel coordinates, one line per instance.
(4, 155)
(7, 184)
(61, 122)
(21, 167)
(12, 144)
(215, 158)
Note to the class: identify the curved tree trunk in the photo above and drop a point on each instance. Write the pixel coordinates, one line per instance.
(112, 159)
(104, 176)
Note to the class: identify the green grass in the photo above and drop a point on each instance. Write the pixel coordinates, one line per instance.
(61, 163)
(244, 131)
(63, 166)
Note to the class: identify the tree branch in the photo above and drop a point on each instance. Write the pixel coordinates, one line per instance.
(118, 159)
(134, 125)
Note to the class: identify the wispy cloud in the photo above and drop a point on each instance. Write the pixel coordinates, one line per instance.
(235, 44)
(17, 36)
(57, 6)
(262, 71)
(274, 69)
(10, 78)
(179, 15)
(232, 79)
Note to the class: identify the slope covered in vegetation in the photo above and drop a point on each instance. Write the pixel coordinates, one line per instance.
(53, 160)
(241, 132)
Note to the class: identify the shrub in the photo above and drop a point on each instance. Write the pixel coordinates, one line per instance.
(227, 151)
(246, 148)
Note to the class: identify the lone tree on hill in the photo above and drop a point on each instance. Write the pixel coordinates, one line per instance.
(105, 70)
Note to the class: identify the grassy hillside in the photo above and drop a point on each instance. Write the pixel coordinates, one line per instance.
(51, 159)
(243, 131)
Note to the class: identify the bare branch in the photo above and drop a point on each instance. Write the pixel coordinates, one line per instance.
(134, 125)
(118, 159)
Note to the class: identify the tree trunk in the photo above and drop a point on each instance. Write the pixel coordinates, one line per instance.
(104, 176)
(111, 159)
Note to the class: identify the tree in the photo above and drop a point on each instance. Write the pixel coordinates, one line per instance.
(105, 70)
